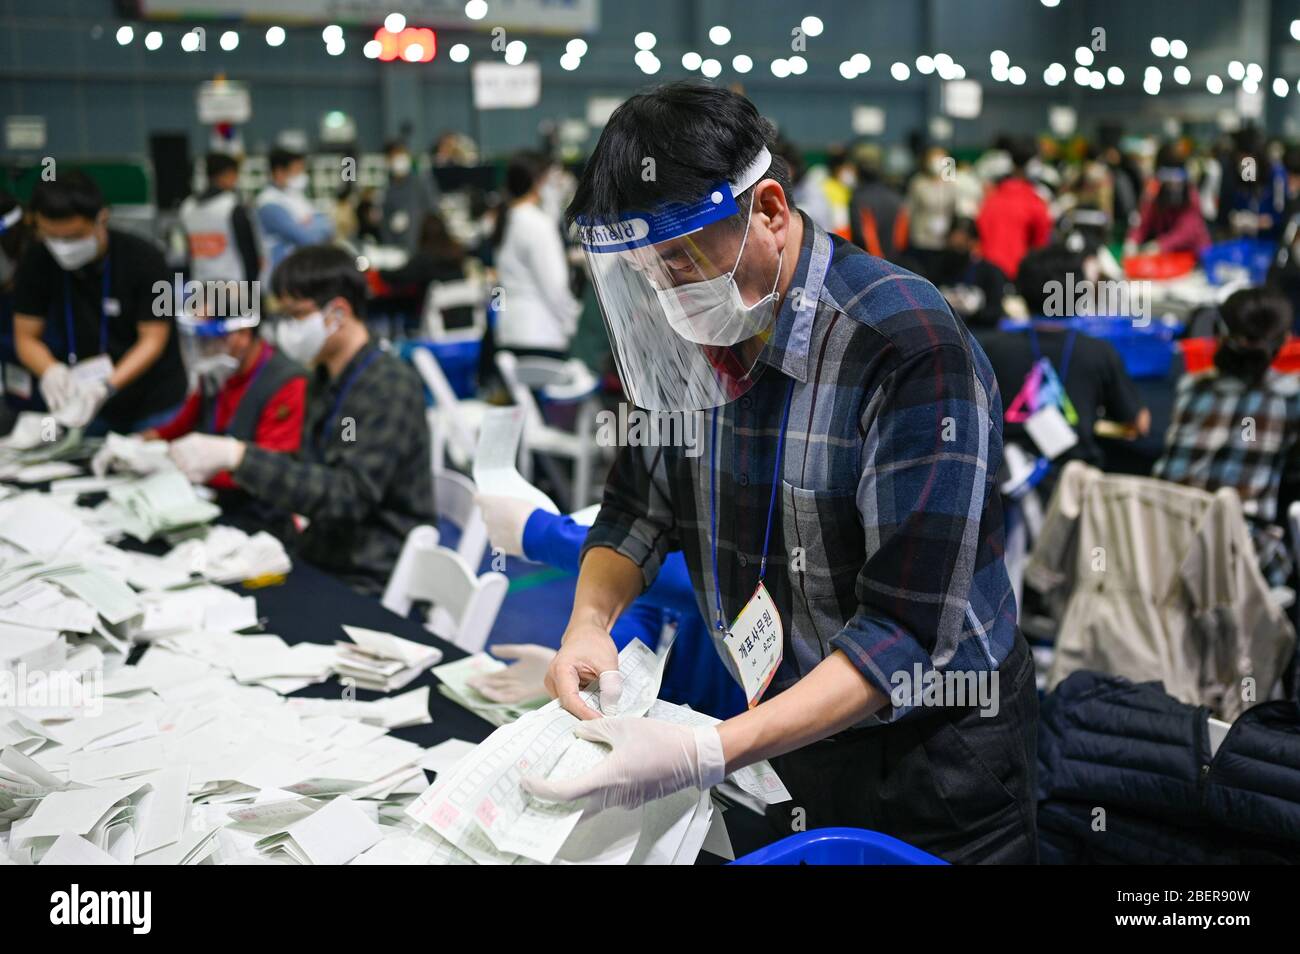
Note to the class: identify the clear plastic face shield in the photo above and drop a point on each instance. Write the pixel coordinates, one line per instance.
(689, 296)
(205, 346)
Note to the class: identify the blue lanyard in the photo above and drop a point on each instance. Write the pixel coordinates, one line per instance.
(771, 506)
(350, 380)
(1066, 350)
(212, 408)
(67, 316)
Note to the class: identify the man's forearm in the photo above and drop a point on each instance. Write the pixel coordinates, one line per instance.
(31, 350)
(830, 699)
(139, 357)
(608, 582)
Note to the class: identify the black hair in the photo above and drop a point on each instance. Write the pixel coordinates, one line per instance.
(219, 163)
(691, 135)
(1022, 150)
(282, 158)
(965, 225)
(70, 194)
(523, 171)
(1043, 267)
(394, 145)
(437, 241)
(1256, 322)
(321, 273)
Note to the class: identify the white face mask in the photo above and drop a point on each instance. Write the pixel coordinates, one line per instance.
(302, 338)
(712, 312)
(297, 183)
(400, 165)
(216, 369)
(71, 254)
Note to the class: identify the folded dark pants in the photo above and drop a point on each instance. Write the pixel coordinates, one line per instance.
(948, 780)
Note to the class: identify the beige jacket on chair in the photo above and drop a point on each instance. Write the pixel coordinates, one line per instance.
(1153, 580)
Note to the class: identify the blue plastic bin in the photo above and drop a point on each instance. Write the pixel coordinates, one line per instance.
(1147, 349)
(839, 846)
(458, 360)
(1225, 261)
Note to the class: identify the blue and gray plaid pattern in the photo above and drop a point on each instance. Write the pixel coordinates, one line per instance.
(887, 542)
(1224, 433)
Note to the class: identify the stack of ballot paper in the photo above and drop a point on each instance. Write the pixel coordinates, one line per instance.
(482, 816)
(157, 504)
(38, 449)
(454, 677)
(224, 554)
(381, 661)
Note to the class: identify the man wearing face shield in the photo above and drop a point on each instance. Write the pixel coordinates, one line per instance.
(840, 521)
(244, 388)
(361, 478)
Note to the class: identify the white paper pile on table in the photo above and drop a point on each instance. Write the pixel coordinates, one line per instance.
(180, 764)
(160, 503)
(453, 678)
(381, 661)
(483, 816)
(38, 448)
(224, 554)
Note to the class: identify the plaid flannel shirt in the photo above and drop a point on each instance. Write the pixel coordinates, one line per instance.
(362, 478)
(887, 536)
(1225, 433)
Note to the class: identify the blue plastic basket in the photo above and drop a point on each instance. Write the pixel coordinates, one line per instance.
(458, 360)
(1249, 257)
(839, 846)
(1147, 350)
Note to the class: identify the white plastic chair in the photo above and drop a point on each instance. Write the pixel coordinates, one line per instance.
(463, 606)
(564, 381)
(457, 421)
(453, 495)
(441, 297)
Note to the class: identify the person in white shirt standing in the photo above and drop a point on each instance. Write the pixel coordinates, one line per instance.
(538, 312)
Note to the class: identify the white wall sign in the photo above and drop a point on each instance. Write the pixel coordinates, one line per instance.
(24, 132)
(224, 102)
(600, 108)
(1250, 105)
(963, 99)
(868, 120)
(502, 86)
(1062, 120)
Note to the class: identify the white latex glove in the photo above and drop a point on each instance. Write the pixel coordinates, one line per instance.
(200, 457)
(86, 400)
(650, 759)
(521, 682)
(505, 518)
(57, 386)
(126, 453)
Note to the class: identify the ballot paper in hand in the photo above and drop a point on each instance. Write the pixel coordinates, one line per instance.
(494, 464)
(381, 661)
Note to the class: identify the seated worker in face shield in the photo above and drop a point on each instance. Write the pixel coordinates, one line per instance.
(694, 675)
(245, 389)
